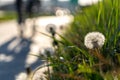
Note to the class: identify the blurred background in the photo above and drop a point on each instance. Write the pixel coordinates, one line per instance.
(47, 6)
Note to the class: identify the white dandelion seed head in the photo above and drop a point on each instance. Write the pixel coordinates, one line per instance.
(94, 40)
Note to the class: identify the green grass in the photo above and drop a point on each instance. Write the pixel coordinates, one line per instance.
(7, 15)
(81, 63)
(10, 15)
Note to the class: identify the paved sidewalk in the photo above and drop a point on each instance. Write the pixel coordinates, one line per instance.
(14, 51)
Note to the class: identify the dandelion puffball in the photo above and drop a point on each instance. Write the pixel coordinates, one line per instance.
(94, 40)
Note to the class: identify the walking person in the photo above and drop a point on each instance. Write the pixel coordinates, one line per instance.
(32, 12)
(20, 16)
(32, 8)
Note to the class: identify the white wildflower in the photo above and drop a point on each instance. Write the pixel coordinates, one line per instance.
(62, 11)
(94, 40)
(51, 28)
(61, 58)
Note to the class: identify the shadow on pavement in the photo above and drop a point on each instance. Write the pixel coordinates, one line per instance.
(13, 55)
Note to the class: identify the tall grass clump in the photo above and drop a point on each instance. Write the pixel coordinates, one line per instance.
(104, 18)
(90, 47)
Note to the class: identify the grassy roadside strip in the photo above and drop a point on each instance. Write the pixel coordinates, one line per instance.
(7, 15)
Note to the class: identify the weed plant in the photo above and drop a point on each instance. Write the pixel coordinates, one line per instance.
(73, 60)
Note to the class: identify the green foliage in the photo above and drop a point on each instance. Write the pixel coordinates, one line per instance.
(8, 15)
(79, 63)
(104, 18)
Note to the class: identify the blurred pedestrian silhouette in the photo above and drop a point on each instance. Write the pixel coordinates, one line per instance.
(30, 10)
(20, 16)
